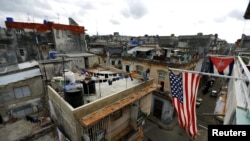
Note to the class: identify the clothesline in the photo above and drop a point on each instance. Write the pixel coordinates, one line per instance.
(210, 74)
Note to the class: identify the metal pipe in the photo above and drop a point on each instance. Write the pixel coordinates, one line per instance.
(212, 114)
(210, 74)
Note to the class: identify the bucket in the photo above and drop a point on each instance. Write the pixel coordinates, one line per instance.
(110, 82)
(52, 54)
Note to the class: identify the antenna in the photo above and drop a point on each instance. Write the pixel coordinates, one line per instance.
(96, 28)
(46, 18)
(28, 16)
(58, 17)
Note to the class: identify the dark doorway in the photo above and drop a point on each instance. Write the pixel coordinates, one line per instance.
(127, 68)
(162, 86)
(157, 109)
(86, 61)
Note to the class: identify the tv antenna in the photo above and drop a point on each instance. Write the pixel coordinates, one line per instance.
(28, 16)
(58, 17)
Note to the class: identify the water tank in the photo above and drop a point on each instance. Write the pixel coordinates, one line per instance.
(89, 87)
(45, 22)
(52, 54)
(10, 19)
(74, 97)
(70, 76)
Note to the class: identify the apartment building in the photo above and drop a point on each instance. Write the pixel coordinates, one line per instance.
(104, 104)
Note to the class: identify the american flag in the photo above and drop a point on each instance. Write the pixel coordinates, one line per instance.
(184, 88)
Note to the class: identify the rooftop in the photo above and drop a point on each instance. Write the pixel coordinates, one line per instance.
(105, 82)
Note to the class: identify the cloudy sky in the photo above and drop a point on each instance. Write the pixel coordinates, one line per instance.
(137, 17)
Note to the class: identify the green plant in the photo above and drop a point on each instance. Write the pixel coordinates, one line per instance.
(245, 60)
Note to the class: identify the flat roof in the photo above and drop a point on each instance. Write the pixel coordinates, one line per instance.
(101, 86)
(143, 49)
(104, 89)
(20, 66)
(75, 54)
(79, 54)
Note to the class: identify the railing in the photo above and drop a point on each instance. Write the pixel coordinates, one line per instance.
(244, 72)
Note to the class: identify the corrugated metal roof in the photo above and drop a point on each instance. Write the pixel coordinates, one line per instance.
(11, 78)
(79, 54)
(168, 48)
(144, 49)
(28, 64)
(20, 66)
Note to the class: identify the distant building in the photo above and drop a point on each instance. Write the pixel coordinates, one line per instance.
(26, 41)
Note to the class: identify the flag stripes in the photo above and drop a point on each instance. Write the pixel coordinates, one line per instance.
(184, 89)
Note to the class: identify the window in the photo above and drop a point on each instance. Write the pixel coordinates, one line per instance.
(21, 92)
(119, 62)
(21, 51)
(161, 75)
(96, 132)
(3, 48)
(116, 115)
(139, 69)
(57, 34)
(23, 110)
(113, 62)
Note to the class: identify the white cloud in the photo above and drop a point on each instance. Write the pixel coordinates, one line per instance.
(137, 17)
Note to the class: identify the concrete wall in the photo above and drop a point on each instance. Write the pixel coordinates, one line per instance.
(8, 44)
(7, 96)
(117, 126)
(67, 42)
(62, 115)
(146, 103)
(8, 101)
(167, 109)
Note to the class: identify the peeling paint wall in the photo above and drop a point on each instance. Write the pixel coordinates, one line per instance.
(7, 48)
(167, 109)
(67, 41)
(9, 102)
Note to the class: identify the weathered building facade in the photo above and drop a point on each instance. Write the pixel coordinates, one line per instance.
(22, 90)
(22, 41)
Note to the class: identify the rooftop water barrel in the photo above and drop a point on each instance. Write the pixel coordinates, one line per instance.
(74, 97)
(89, 87)
(52, 54)
(45, 22)
(70, 76)
(10, 19)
